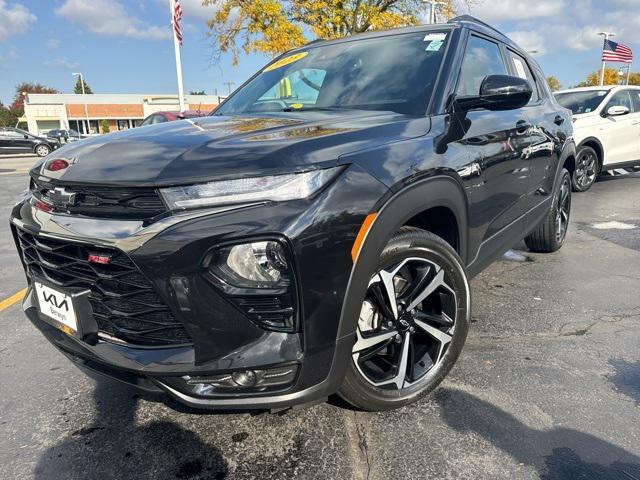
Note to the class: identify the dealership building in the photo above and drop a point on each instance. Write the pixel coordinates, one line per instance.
(86, 113)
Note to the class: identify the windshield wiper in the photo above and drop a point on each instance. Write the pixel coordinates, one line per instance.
(312, 109)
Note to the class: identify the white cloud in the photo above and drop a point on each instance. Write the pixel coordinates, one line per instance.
(15, 19)
(492, 10)
(109, 17)
(6, 57)
(62, 63)
(529, 41)
(193, 9)
(52, 43)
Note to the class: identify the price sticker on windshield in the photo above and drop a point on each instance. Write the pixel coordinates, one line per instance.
(286, 61)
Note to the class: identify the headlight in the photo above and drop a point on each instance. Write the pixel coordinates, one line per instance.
(253, 265)
(245, 190)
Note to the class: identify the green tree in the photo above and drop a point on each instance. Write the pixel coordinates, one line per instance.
(634, 78)
(78, 86)
(105, 126)
(553, 83)
(273, 27)
(7, 117)
(17, 107)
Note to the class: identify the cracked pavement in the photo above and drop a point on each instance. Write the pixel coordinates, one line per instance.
(548, 386)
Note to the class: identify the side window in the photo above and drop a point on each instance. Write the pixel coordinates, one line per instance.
(158, 119)
(481, 58)
(621, 99)
(522, 70)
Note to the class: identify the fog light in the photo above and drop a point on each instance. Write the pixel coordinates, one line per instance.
(258, 380)
(244, 379)
(252, 265)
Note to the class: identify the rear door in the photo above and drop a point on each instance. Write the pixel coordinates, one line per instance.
(621, 133)
(496, 141)
(548, 127)
(18, 142)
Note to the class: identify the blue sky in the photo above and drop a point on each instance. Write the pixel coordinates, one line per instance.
(125, 46)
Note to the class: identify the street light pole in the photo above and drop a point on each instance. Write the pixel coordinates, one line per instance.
(432, 9)
(86, 111)
(605, 36)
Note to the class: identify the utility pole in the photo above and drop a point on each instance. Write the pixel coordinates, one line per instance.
(605, 36)
(228, 84)
(84, 98)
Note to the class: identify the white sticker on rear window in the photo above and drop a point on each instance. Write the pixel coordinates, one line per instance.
(434, 36)
(519, 68)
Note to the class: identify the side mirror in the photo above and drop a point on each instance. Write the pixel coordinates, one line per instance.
(499, 92)
(616, 111)
(26, 137)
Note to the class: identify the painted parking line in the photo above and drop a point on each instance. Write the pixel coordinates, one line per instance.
(16, 297)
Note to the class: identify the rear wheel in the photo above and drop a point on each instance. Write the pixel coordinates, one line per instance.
(551, 233)
(42, 150)
(412, 325)
(586, 169)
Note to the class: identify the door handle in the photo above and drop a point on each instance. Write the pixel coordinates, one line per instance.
(558, 120)
(522, 126)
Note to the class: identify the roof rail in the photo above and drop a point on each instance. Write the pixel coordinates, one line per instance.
(472, 19)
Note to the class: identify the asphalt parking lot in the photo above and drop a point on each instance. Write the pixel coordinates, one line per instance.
(548, 385)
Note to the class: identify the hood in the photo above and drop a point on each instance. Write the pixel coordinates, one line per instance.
(219, 147)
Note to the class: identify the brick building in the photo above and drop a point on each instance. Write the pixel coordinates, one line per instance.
(44, 112)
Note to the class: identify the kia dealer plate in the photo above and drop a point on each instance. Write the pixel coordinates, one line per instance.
(58, 307)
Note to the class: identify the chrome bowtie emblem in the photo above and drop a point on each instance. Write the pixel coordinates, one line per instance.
(60, 197)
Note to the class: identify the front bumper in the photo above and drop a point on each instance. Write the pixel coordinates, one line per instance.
(169, 253)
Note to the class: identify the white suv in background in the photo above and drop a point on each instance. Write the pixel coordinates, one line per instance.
(606, 123)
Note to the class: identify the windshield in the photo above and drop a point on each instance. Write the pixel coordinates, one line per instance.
(582, 102)
(395, 73)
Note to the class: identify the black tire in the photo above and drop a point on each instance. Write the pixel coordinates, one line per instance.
(552, 231)
(413, 248)
(587, 169)
(42, 150)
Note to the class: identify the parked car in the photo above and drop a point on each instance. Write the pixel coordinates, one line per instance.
(308, 240)
(14, 140)
(163, 117)
(65, 136)
(606, 125)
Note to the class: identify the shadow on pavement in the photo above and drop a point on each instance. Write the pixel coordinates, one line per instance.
(557, 454)
(115, 446)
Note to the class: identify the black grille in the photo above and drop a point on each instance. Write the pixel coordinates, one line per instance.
(125, 304)
(103, 202)
(273, 311)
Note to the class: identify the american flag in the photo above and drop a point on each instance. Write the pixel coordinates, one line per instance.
(177, 16)
(616, 52)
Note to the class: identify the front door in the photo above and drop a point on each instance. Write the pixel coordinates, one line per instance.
(18, 142)
(621, 133)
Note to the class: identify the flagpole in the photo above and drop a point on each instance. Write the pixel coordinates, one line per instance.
(628, 72)
(176, 47)
(606, 35)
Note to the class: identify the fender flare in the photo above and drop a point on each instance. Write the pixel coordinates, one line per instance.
(597, 142)
(568, 150)
(440, 191)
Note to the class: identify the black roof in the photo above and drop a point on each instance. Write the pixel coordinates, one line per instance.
(465, 21)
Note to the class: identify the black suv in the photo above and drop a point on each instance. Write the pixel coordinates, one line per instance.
(14, 140)
(314, 235)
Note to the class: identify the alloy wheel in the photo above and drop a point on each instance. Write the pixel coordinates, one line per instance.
(406, 324)
(42, 150)
(564, 206)
(586, 169)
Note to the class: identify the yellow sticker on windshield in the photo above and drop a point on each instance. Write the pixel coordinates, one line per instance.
(296, 105)
(286, 61)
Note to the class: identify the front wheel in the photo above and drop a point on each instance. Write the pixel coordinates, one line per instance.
(550, 234)
(413, 323)
(42, 150)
